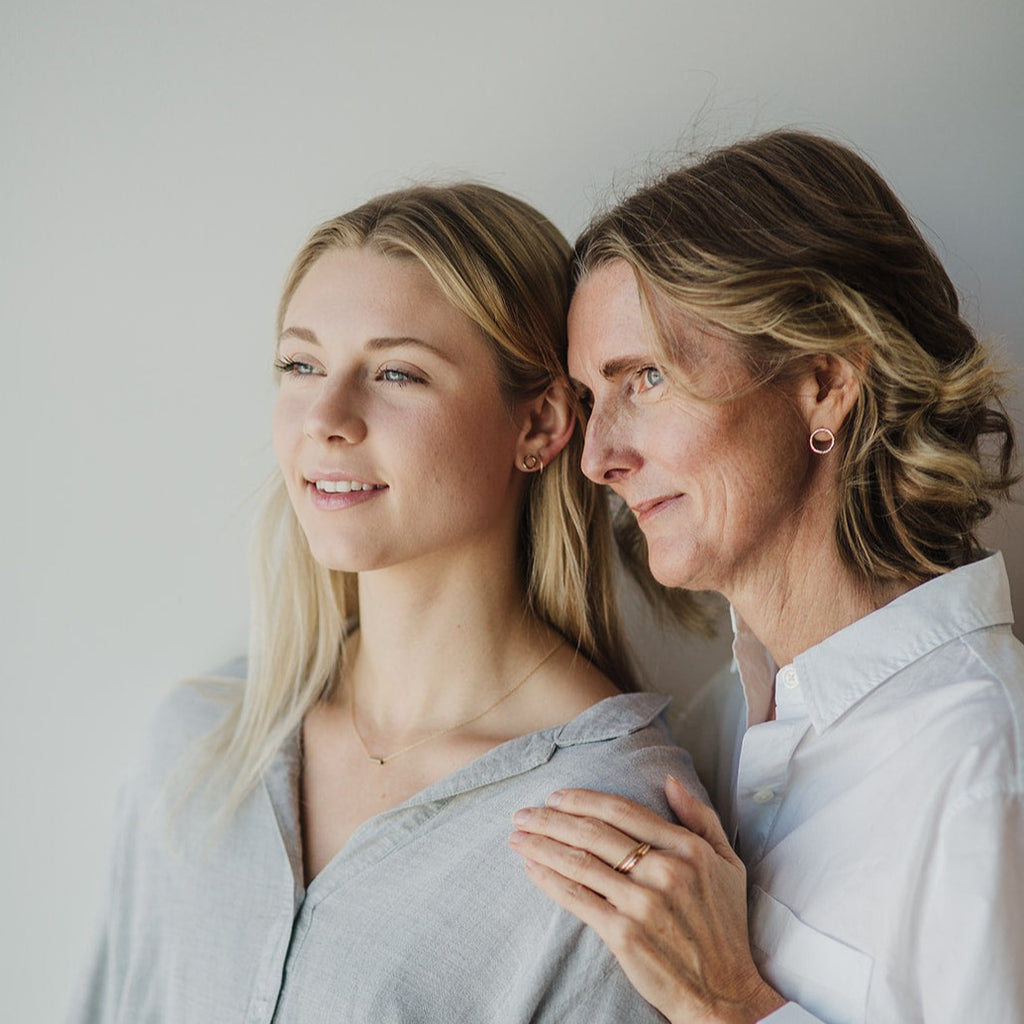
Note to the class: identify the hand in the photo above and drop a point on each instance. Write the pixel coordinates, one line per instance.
(677, 921)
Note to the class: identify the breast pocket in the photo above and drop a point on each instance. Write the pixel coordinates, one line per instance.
(817, 972)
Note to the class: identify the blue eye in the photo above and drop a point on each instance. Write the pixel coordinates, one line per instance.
(294, 367)
(389, 375)
(650, 377)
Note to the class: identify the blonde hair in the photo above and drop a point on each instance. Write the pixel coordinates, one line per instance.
(795, 246)
(506, 267)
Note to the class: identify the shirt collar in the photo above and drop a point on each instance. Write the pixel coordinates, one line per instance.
(841, 670)
(609, 719)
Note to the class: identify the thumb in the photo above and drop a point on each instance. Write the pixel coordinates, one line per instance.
(695, 815)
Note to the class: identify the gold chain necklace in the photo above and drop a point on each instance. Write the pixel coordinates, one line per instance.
(384, 759)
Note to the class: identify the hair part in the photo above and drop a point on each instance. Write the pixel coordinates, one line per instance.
(794, 247)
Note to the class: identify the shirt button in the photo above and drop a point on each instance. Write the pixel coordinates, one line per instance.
(764, 796)
(790, 679)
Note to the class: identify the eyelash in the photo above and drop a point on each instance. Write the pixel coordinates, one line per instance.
(400, 378)
(385, 375)
(294, 366)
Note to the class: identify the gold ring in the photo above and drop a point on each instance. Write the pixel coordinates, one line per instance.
(632, 858)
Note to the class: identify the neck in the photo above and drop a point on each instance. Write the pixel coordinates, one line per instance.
(800, 591)
(796, 603)
(436, 647)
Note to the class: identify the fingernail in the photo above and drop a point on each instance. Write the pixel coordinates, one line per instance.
(521, 817)
(555, 799)
(516, 838)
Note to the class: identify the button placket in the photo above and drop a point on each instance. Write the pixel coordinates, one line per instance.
(764, 769)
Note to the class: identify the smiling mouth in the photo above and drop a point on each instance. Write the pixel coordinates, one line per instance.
(646, 509)
(344, 486)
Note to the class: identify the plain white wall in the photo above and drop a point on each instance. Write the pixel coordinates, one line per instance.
(160, 167)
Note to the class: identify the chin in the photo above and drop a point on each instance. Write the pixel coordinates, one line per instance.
(676, 573)
(339, 558)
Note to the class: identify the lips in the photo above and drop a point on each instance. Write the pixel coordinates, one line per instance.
(646, 510)
(337, 491)
(339, 482)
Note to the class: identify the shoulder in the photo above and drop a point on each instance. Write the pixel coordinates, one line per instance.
(953, 718)
(188, 713)
(622, 745)
(981, 677)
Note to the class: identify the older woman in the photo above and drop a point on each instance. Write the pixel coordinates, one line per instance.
(784, 393)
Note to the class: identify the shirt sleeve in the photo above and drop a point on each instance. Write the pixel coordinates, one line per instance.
(971, 939)
(791, 1014)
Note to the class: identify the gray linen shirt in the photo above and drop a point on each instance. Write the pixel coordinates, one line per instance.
(425, 915)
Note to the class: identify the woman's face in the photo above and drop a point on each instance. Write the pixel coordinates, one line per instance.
(718, 488)
(395, 442)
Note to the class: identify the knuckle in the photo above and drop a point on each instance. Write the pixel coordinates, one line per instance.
(648, 906)
(660, 873)
(576, 892)
(580, 861)
(622, 808)
(703, 858)
(623, 932)
(666, 872)
(590, 830)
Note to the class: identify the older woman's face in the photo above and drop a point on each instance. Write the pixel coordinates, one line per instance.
(718, 487)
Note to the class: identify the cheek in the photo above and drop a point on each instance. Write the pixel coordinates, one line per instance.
(770, 478)
(690, 443)
(476, 448)
(285, 424)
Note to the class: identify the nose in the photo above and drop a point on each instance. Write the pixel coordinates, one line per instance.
(608, 454)
(334, 415)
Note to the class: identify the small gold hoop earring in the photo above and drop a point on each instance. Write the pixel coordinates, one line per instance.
(822, 441)
(532, 462)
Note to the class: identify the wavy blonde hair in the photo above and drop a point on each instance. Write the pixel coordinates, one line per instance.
(506, 267)
(795, 246)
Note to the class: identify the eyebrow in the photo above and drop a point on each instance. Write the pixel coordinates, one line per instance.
(610, 370)
(617, 367)
(373, 344)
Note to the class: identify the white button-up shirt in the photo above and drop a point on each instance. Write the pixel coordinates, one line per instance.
(881, 815)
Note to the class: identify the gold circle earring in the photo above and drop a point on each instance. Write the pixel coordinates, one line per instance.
(822, 441)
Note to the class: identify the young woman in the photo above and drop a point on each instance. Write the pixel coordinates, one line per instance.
(433, 645)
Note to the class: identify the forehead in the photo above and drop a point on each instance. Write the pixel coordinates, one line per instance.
(606, 321)
(364, 290)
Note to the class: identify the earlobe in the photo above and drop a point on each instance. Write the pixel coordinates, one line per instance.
(547, 424)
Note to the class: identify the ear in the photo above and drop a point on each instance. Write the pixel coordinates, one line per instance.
(546, 424)
(828, 392)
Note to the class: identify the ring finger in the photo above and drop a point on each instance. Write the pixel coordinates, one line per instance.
(596, 856)
(592, 835)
